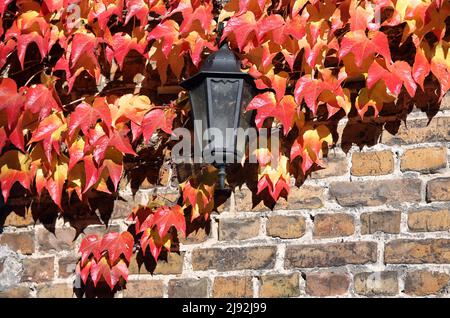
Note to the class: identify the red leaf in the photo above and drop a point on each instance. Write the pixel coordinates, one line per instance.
(10, 100)
(264, 104)
(138, 9)
(121, 45)
(399, 73)
(309, 89)
(241, 26)
(14, 167)
(117, 244)
(121, 142)
(168, 31)
(151, 239)
(203, 14)
(90, 245)
(39, 99)
(83, 116)
(101, 269)
(165, 217)
(5, 50)
(24, 40)
(421, 68)
(3, 138)
(83, 44)
(92, 173)
(157, 118)
(56, 182)
(357, 43)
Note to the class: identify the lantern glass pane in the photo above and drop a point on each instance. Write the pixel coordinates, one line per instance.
(200, 109)
(244, 121)
(224, 93)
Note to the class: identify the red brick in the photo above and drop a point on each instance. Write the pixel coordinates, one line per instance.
(327, 284)
(144, 289)
(336, 165)
(374, 163)
(188, 288)
(422, 283)
(233, 287)
(22, 242)
(373, 193)
(16, 292)
(55, 291)
(419, 131)
(286, 226)
(173, 265)
(280, 286)
(238, 228)
(234, 258)
(417, 251)
(329, 255)
(429, 220)
(386, 222)
(438, 190)
(38, 269)
(376, 284)
(67, 266)
(333, 224)
(16, 220)
(424, 159)
(62, 240)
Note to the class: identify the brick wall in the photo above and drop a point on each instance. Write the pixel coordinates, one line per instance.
(374, 223)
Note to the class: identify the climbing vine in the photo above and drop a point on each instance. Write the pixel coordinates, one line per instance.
(74, 109)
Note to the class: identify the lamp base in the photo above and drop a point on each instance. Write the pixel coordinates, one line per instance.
(222, 175)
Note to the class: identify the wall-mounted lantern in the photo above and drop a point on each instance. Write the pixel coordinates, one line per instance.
(219, 94)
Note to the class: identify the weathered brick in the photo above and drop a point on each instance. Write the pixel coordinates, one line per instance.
(62, 240)
(195, 237)
(420, 130)
(173, 265)
(55, 291)
(244, 202)
(438, 189)
(16, 220)
(304, 197)
(386, 222)
(280, 285)
(417, 251)
(234, 258)
(22, 242)
(336, 165)
(328, 255)
(38, 269)
(373, 193)
(422, 283)
(286, 226)
(67, 266)
(16, 292)
(445, 102)
(424, 159)
(100, 230)
(233, 287)
(333, 224)
(144, 288)
(429, 220)
(377, 283)
(238, 229)
(374, 163)
(188, 288)
(327, 284)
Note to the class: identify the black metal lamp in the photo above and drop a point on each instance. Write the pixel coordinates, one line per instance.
(219, 94)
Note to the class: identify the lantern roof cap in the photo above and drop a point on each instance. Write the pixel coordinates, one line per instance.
(222, 63)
